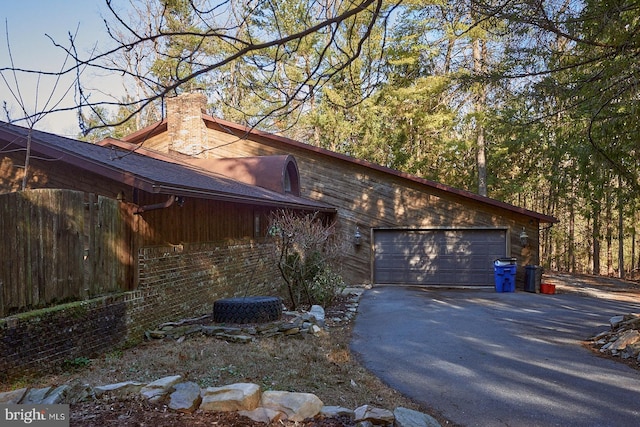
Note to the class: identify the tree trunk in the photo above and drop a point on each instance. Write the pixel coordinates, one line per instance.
(571, 244)
(479, 55)
(609, 236)
(447, 62)
(633, 251)
(549, 248)
(620, 230)
(596, 239)
(25, 177)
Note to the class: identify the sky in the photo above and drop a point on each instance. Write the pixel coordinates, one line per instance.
(27, 24)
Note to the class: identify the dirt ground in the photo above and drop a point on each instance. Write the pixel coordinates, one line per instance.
(320, 365)
(140, 413)
(237, 367)
(596, 286)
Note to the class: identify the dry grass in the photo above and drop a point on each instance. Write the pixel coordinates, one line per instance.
(322, 365)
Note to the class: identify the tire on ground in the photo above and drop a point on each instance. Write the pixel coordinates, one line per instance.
(259, 309)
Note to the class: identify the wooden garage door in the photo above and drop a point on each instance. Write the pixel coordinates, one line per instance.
(437, 257)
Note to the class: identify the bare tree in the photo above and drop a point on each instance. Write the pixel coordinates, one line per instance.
(52, 100)
(306, 252)
(164, 47)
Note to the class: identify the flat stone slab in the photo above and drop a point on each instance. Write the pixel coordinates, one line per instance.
(409, 418)
(297, 406)
(12, 397)
(119, 390)
(629, 337)
(375, 415)
(35, 395)
(157, 389)
(185, 398)
(337, 411)
(233, 397)
(56, 395)
(264, 415)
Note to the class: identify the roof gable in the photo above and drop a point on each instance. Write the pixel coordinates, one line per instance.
(244, 132)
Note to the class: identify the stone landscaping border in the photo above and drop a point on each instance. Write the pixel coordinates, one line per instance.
(247, 399)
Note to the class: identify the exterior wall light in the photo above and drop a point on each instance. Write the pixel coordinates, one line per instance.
(357, 237)
(524, 238)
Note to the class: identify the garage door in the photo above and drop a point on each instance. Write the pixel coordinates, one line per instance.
(437, 257)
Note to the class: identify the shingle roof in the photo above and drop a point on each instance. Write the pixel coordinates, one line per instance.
(150, 174)
(262, 171)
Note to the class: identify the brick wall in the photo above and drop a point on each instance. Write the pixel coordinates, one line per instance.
(183, 281)
(176, 282)
(42, 340)
(186, 130)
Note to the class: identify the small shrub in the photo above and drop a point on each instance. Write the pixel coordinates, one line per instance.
(307, 254)
(113, 355)
(76, 363)
(325, 286)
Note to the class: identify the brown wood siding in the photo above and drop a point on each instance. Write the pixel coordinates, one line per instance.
(197, 220)
(158, 142)
(369, 199)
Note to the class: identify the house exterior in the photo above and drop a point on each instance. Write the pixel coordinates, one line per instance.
(195, 178)
(405, 229)
(184, 234)
(182, 209)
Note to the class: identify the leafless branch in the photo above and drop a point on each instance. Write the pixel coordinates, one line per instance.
(139, 44)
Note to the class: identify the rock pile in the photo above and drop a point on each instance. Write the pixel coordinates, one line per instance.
(298, 323)
(293, 323)
(623, 339)
(245, 398)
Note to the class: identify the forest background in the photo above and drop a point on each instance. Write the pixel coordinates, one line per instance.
(531, 102)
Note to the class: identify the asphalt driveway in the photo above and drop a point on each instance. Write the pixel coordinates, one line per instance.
(481, 358)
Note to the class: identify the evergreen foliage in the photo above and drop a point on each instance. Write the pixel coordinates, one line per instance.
(541, 97)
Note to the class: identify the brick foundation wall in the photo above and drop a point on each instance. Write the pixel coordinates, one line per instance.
(182, 281)
(176, 282)
(42, 340)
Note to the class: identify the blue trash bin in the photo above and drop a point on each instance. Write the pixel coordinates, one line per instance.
(505, 274)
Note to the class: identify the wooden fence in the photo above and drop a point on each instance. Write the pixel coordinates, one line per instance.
(60, 245)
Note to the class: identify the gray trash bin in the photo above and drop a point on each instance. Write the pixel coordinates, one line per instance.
(532, 278)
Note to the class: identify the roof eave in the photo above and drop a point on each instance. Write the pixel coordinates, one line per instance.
(84, 163)
(229, 197)
(151, 186)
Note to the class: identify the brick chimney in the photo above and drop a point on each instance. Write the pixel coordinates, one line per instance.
(186, 129)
